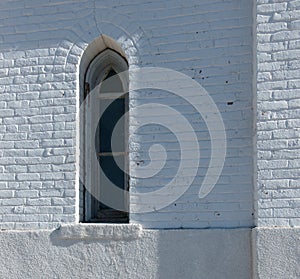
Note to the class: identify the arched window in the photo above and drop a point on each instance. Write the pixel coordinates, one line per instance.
(105, 133)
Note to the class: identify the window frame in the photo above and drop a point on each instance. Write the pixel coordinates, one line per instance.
(96, 72)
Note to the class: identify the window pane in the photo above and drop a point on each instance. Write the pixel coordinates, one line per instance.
(107, 124)
(106, 187)
(112, 176)
(112, 83)
(112, 170)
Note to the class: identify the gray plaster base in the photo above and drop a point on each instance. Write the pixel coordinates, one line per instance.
(276, 253)
(125, 252)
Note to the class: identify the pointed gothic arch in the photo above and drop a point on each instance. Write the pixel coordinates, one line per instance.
(102, 80)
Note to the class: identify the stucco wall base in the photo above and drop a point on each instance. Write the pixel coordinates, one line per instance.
(276, 253)
(94, 253)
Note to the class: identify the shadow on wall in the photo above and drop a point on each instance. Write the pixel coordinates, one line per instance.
(205, 254)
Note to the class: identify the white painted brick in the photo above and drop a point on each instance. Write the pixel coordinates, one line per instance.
(39, 74)
(286, 55)
(26, 217)
(262, 18)
(63, 201)
(273, 7)
(7, 176)
(285, 35)
(10, 201)
(39, 168)
(14, 54)
(28, 176)
(294, 103)
(52, 176)
(6, 194)
(43, 209)
(54, 160)
(65, 184)
(290, 15)
(38, 201)
(275, 105)
(294, 4)
(12, 128)
(16, 168)
(6, 209)
(7, 226)
(27, 144)
(26, 194)
(51, 193)
(40, 119)
(69, 209)
(14, 136)
(283, 163)
(271, 27)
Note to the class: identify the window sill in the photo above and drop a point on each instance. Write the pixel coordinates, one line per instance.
(84, 231)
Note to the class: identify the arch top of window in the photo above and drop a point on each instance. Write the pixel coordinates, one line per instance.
(103, 64)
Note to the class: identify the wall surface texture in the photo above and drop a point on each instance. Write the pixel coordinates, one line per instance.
(276, 250)
(278, 108)
(103, 253)
(41, 47)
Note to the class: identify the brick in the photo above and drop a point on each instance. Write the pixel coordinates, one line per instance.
(27, 193)
(62, 201)
(28, 176)
(7, 176)
(213, 44)
(6, 193)
(12, 202)
(38, 201)
(274, 7)
(27, 144)
(282, 164)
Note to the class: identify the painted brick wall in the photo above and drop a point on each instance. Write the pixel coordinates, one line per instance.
(278, 99)
(41, 43)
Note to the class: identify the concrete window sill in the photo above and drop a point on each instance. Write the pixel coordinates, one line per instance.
(86, 231)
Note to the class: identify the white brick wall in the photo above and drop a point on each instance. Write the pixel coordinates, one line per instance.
(278, 103)
(41, 43)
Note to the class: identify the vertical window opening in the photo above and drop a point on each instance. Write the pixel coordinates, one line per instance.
(105, 134)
